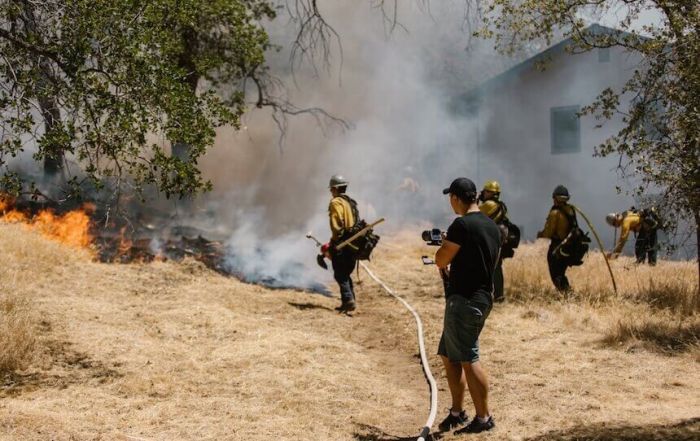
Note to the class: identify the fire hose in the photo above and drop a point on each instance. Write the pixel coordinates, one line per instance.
(421, 343)
(600, 245)
(423, 357)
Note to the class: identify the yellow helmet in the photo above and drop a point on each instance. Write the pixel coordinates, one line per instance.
(492, 186)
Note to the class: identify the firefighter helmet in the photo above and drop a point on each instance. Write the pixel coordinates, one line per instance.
(337, 181)
(492, 186)
(612, 219)
(560, 192)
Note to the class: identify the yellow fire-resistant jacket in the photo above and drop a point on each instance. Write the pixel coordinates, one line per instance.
(631, 222)
(341, 217)
(493, 210)
(557, 225)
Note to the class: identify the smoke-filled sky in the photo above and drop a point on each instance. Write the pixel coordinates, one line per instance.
(394, 90)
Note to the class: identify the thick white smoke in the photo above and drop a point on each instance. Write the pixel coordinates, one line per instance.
(405, 145)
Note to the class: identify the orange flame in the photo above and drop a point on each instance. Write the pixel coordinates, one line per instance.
(72, 228)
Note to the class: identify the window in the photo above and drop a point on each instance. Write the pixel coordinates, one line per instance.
(603, 54)
(565, 129)
(651, 117)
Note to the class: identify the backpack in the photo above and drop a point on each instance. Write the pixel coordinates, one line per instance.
(511, 239)
(365, 244)
(650, 218)
(575, 246)
(510, 233)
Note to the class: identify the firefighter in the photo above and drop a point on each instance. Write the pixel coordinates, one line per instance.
(560, 221)
(645, 229)
(343, 215)
(491, 205)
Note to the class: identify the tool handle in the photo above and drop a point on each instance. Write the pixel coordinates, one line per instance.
(360, 233)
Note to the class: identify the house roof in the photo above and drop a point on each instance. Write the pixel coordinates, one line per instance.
(468, 102)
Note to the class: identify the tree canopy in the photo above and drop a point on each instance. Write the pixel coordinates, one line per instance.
(97, 83)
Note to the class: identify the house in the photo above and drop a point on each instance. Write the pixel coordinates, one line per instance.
(528, 136)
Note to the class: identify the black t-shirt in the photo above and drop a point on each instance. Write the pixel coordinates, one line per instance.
(471, 270)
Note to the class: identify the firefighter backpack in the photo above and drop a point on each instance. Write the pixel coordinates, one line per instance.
(575, 247)
(365, 244)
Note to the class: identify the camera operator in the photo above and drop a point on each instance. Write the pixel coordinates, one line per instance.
(471, 251)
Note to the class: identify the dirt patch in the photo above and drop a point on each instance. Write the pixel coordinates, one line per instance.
(61, 367)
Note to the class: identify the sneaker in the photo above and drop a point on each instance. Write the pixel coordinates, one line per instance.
(476, 426)
(451, 421)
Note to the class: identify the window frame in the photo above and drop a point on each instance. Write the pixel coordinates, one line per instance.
(555, 135)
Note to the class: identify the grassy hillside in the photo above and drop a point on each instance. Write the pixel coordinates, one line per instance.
(175, 352)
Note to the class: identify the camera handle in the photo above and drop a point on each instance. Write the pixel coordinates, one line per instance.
(443, 272)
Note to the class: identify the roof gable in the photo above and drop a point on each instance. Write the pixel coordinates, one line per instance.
(466, 103)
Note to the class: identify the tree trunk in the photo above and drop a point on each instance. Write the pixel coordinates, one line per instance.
(186, 62)
(53, 154)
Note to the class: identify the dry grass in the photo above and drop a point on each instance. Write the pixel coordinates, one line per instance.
(673, 294)
(655, 307)
(17, 340)
(671, 285)
(665, 334)
(175, 352)
(27, 263)
(688, 430)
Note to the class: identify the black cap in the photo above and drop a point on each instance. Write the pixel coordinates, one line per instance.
(463, 188)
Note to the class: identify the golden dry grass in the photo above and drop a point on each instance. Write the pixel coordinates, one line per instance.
(17, 342)
(657, 307)
(671, 285)
(175, 352)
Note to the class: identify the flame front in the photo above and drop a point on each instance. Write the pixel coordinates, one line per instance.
(71, 228)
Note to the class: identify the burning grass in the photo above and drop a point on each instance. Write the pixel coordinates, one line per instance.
(137, 242)
(71, 228)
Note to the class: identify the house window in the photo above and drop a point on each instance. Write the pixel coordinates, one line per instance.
(603, 54)
(565, 129)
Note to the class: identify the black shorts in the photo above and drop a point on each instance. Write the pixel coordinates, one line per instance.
(464, 320)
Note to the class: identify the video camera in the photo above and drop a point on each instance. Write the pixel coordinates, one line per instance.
(432, 237)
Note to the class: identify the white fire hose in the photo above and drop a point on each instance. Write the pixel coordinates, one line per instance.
(423, 358)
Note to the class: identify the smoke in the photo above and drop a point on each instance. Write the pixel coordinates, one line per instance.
(274, 262)
(405, 145)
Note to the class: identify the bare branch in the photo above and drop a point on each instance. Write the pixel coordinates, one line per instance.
(271, 93)
(315, 36)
